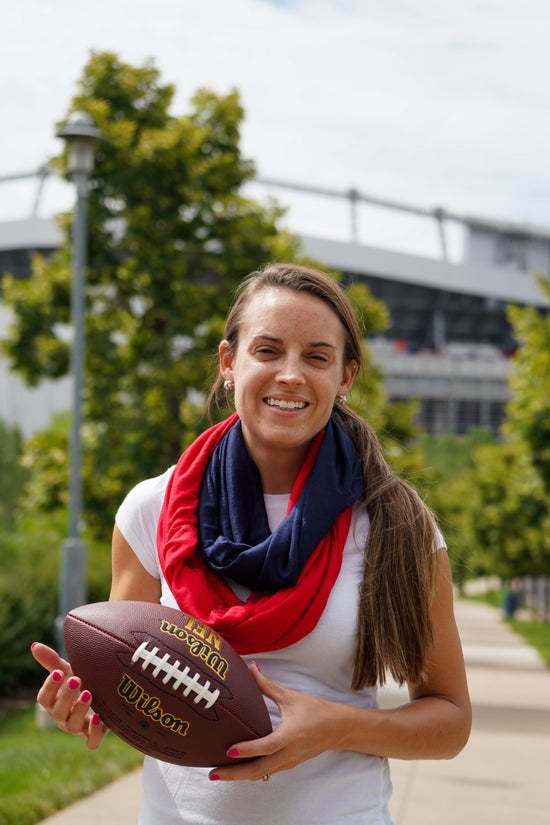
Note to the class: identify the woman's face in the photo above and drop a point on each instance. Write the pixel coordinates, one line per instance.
(287, 370)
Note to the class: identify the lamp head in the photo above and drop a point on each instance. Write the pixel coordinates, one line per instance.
(81, 137)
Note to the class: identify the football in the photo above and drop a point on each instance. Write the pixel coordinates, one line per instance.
(164, 682)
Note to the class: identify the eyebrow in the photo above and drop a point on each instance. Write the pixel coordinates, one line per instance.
(276, 340)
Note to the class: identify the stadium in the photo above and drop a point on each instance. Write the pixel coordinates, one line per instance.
(448, 344)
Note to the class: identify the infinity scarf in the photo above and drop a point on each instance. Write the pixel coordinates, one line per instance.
(213, 524)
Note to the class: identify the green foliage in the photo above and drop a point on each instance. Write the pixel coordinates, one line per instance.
(43, 771)
(494, 508)
(170, 237)
(494, 513)
(448, 469)
(498, 507)
(45, 457)
(529, 410)
(41, 306)
(449, 454)
(508, 519)
(29, 576)
(12, 475)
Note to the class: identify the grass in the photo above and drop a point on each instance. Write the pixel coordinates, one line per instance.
(42, 771)
(535, 633)
(492, 597)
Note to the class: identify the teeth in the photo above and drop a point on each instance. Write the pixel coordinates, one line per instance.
(286, 405)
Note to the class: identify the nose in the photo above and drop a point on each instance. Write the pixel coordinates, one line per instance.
(291, 373)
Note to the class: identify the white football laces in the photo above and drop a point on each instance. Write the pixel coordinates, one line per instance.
(173, 671)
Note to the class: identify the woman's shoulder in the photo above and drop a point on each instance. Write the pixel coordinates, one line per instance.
(141, 508)
(147, 493)
(137, 519)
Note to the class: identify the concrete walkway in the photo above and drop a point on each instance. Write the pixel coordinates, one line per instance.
(502, 776)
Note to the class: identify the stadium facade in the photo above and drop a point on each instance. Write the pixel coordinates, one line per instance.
(449, 343)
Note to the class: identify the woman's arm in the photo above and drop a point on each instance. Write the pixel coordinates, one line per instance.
(435, 724)
(130, 580)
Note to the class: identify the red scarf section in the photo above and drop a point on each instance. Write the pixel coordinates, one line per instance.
(267, 620)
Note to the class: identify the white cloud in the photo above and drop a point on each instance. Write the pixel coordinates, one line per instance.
(412, 100)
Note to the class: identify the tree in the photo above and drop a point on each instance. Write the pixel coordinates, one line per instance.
(528, 414)
(451, 475)
(503, 520)
(497, 510)
(170, 237)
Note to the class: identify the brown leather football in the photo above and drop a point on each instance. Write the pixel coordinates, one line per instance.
(164, 682)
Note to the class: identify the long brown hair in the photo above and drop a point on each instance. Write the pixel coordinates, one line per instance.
(394, 630)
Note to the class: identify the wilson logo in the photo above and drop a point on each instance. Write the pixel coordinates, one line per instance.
(204, 649)
(149, 706)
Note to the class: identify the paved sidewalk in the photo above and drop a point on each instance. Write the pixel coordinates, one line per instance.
(502, 776)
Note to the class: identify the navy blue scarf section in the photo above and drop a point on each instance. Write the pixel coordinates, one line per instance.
(234, 535)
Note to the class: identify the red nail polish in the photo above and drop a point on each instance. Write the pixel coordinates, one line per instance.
(213, 777)
(57, 676)
(85, 696)
(33, 645)
(73, 683)
(232, 752)
(258, 666)
(95, 720)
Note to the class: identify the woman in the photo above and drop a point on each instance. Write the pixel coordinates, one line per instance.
(322, 601)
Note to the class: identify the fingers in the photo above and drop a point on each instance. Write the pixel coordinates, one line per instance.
(261, 769)
(49, 659)
(259, 753)
(269, 688)
(71, 708)
(60, 696)
(269, 744)
(253, 768)
(96, 731)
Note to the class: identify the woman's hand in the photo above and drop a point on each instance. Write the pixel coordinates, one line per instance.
(308, 727)
(62, 698)
(61, 695)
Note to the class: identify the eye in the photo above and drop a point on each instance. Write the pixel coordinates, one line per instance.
(266, 351)
(319, 358)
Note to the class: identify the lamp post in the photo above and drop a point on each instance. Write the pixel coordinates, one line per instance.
(81, 136)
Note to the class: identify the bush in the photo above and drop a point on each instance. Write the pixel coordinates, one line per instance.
(29, 587)
(12, 475)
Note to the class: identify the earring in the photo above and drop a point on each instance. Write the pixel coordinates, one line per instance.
(228, 384)
(342, 399)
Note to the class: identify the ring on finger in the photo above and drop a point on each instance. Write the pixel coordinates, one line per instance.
(265, 777)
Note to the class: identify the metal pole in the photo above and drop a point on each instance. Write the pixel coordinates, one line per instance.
(439, 215)
(43, 174)
(353, 195)
(73, 564)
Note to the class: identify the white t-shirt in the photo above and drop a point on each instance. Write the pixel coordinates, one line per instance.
(335, 788)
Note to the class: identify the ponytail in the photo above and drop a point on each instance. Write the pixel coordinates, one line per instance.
(394, 629)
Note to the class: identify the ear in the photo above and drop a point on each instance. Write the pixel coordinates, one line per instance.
(350, 374)
(226, 359)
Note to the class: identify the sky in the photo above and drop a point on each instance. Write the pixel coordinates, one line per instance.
(414, 101)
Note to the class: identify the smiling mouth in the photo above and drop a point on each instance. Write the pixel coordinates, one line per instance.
(285, 405)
